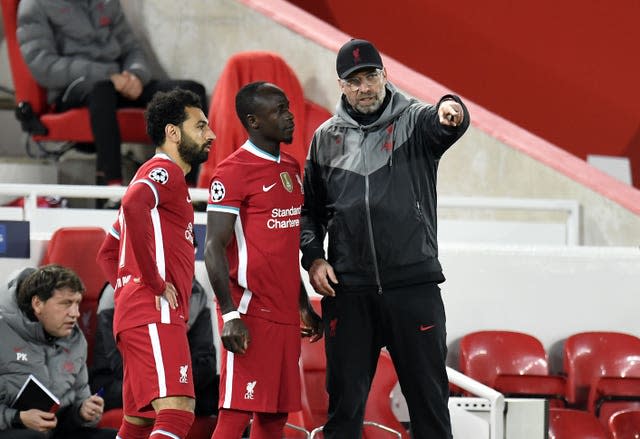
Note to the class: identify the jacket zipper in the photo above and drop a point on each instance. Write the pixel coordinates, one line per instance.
(423, 218)
(368, 209)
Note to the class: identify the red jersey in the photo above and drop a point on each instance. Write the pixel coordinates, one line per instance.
(150, 244)
(265, 192)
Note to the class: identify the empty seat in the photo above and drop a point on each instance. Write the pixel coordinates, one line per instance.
(574, 424)
(76, 248)
(379, 419)
(625, 424)
(603, 372)
(514, 363)
(378, 409)
(244, 68)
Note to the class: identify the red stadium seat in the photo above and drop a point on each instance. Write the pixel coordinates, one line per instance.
(574, 424)
(202, 427)
(38, 119)
(111, 419)
(76, 248)
(514, 363)
(378, 408)
(241, 69)
(294, 428)
(603, 372)
(379, 419)
(625, 424)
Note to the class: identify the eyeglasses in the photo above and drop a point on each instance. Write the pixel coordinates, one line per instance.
(370, 79)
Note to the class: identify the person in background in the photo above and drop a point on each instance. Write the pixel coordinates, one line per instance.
(251, 255)
(40, 337)
(85, 54)
(370, 183)
(148, 257)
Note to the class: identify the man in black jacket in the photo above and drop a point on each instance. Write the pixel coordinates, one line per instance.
(106, 372)
(370, 183)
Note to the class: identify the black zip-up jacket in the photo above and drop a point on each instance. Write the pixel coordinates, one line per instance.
(372, 188)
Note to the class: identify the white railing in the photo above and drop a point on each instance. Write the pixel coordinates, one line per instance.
(569, 207)
(31, 192)
(496, 414)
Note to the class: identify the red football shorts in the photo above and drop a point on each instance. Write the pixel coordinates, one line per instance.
(267, 377)
(157, 363)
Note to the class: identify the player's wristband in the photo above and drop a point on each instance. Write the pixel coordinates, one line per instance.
(231, 315)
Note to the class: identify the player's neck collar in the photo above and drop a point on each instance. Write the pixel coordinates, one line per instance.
(253, 149)
(162, 155)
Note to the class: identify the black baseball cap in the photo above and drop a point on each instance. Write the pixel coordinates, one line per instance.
(356, 55)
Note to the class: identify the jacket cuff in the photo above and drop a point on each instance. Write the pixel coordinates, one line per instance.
(16, 422)
(449, 97)
(311, 254)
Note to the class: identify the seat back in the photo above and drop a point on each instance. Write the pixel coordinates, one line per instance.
(590, 355)
(26, 87)
(487, 354)
(315, 400)
(241, 69)
(625, 424)
(574, 424)
(76, 248)
(378, 407)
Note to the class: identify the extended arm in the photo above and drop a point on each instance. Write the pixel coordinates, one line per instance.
(445, 123)
(235, 335)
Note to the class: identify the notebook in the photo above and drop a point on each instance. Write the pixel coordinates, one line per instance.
(34, 395)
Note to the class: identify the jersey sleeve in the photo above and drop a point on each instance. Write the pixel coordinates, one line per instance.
(227, 189)
(107, 257)
(139, 211)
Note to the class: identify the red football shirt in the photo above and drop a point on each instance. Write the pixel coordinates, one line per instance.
(265, 192)
(150, 244)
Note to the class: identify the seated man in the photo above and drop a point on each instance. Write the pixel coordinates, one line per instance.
(85, 55)
(106, 373)
(40, 337)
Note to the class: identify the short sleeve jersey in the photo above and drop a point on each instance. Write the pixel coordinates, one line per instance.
(265, 192)
(155, 232)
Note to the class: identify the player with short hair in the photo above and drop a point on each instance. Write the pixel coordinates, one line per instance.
(148, 258)
(251, 254)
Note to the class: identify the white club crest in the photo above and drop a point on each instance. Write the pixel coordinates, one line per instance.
(159, 175)
(250, 386)
(217, 191)
(183, 373)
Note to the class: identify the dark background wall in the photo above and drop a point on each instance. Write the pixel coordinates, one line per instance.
(568, 71)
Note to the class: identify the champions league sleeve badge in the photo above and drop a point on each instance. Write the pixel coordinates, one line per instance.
(159, 175)
(217, 191)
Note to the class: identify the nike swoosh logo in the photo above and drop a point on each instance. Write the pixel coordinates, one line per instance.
(268, 188)
(426, 327)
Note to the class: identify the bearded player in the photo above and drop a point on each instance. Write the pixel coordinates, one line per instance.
(148, 258)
